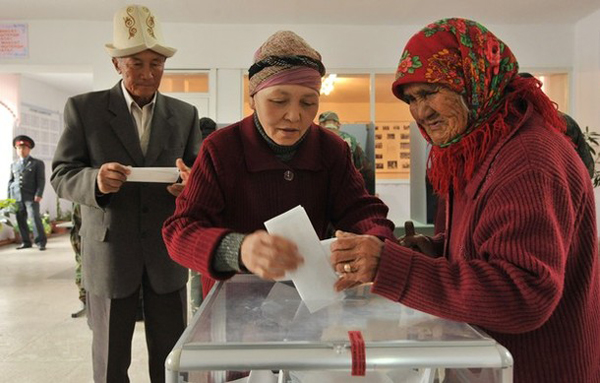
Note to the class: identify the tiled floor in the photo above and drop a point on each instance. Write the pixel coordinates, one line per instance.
(39, 341)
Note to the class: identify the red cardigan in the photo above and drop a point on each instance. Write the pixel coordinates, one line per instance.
(237, 183)
(520, 259)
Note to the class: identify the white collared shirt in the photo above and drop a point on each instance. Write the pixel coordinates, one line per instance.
(142, 117)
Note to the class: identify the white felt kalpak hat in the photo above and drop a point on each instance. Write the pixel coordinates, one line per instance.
(135, 29)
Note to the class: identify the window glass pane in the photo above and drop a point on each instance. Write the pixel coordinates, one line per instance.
(349, 98)
(392, 151)
(181, 82)
(556, 86)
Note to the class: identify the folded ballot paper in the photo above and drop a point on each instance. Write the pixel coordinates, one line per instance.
(165, 175)
(314, 280)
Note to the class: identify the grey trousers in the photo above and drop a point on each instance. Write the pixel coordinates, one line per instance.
(113, 321)
(30, 209)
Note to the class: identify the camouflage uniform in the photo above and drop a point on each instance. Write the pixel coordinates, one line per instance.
(361, 163)
(76, 244)
(330, 120)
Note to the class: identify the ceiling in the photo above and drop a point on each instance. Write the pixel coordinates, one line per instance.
(348, 12)
(337, 12)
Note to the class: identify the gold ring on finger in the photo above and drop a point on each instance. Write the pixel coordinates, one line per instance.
(347, 267)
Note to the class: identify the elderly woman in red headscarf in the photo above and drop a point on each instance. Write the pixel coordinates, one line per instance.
(519, 256)
(263, 166)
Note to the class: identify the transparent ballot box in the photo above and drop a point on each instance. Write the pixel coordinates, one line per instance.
(250, 330)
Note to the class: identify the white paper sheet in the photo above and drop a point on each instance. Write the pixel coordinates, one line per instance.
(326, 245)
(314, 280)
(165, 175)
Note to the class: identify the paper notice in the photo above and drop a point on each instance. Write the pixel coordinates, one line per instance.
(165, 175)
(314, 280)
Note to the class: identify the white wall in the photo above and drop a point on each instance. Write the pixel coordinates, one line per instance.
(38, 94)
(396, 195)
(9, 95)
(80, 44)
(344, 46)
(586, 79)
(229, 95)
(586, 72)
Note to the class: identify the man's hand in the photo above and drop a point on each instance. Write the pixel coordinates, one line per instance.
(37, 198)
(184, 173)
(111, 177)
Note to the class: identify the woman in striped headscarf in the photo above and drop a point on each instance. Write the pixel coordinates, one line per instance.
(264, 165)
(519, 256)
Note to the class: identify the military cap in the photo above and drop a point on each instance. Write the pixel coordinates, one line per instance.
(23, 140)
(329, 115)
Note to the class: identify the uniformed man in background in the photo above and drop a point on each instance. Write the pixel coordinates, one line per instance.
(331, 121)
(26, 186)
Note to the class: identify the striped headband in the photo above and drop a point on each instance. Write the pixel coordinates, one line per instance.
(289, 61)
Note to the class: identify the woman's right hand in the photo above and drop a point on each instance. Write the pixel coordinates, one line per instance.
(269, 256)
(355, 258)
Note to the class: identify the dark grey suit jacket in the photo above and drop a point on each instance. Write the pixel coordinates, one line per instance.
(27, 181)
(121, 232)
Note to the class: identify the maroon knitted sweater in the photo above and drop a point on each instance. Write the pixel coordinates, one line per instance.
(237, 183)
(520, 259)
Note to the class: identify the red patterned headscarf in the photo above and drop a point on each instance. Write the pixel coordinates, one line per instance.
(465, 57)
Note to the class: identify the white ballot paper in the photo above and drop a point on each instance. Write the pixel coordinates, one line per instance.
(326, 245)
(165, 175)
(314, 280)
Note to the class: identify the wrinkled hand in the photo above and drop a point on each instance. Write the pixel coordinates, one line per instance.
(269, 256)
(416, 242)
(111, 177)
(184, 173)
(355, 258)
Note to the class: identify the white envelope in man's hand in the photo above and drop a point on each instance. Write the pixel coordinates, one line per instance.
(164, 175)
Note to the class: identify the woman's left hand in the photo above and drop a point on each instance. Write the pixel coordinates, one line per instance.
(417, 242)
(355, 258)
